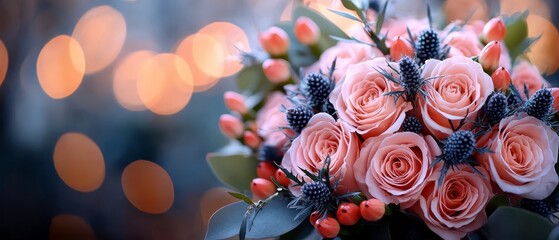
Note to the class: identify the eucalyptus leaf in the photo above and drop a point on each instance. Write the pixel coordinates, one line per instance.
(517, 32)
(274, 219)
(516, 224)
(241, 196)
(351, 6)
(236, 171)
(251, 80)
(497, 201)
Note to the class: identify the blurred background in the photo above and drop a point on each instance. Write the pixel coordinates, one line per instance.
(108, 108)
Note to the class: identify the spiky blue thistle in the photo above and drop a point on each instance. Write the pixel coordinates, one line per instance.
(496, 108)
(412, 124)
(539, 104)
(298, 117)
(458, 149)
(316, 88)
(545, 207)
(317, 193)
(428, 46)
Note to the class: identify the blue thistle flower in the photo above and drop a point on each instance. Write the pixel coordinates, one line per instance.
(316, 89)
(539, 104)
(412, 124)
(428, 46)
(298, 117)
(496, 108)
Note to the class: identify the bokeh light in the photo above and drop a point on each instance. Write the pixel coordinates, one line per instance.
(66, 226)
(202, 80)
(165, 84)
(101, 31)
(125, 80)
(3, 62)
(537, 7)
(213, 200)
(60, 66)
(232, 39)
(463, 9)
(324, 6)
(209, 55)
(148, 187)
(79, 162)
(544, 52)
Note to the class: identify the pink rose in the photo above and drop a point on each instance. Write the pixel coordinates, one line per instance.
(463, 43)
(346, 54)
(523, 158)
(394, 167)
(361, 102)
(324, 137)
(457, 206)
(398, 27)
(526, 73)
(270, 120)
(459, 87)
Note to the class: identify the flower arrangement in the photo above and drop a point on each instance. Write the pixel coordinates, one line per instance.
(401, 130)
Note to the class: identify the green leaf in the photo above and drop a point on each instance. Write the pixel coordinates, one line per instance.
(517, 31)
(497, 201)
(252, 80)
(273, 220)
(345, 14)
(241, 196)
(236, 171)
(380, 18)
(516, 224)
(351, 6)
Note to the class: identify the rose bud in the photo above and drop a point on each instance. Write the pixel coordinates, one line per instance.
(494, 30)
(282, 178)
(252, 140)
(372, 209)
(489, 56)
(266, 169)
(400, 48)
(501, 78)
(276, 70)
(348, 214)
(275, 41)
(306, 31)
(231, 126)
(262, 188)
(327, 227)
(555, 94)
(235, 102)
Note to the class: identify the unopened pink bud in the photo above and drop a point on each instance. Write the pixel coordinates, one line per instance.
(400, 48)
(231, 126)
(555, 94)
(494, 30)
(501, 78)
(275, 41)
(490, 56)
(235, 102)
(306, 31)
(252, 140)
(276, 70)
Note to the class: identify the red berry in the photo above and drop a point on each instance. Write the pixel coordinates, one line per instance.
(266, 170)
(372, 209)
(348, 214)
(282, 178)
(262, 188)
(314, 216)
(327, 227)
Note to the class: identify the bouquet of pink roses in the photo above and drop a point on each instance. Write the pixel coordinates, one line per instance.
(398, 130)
